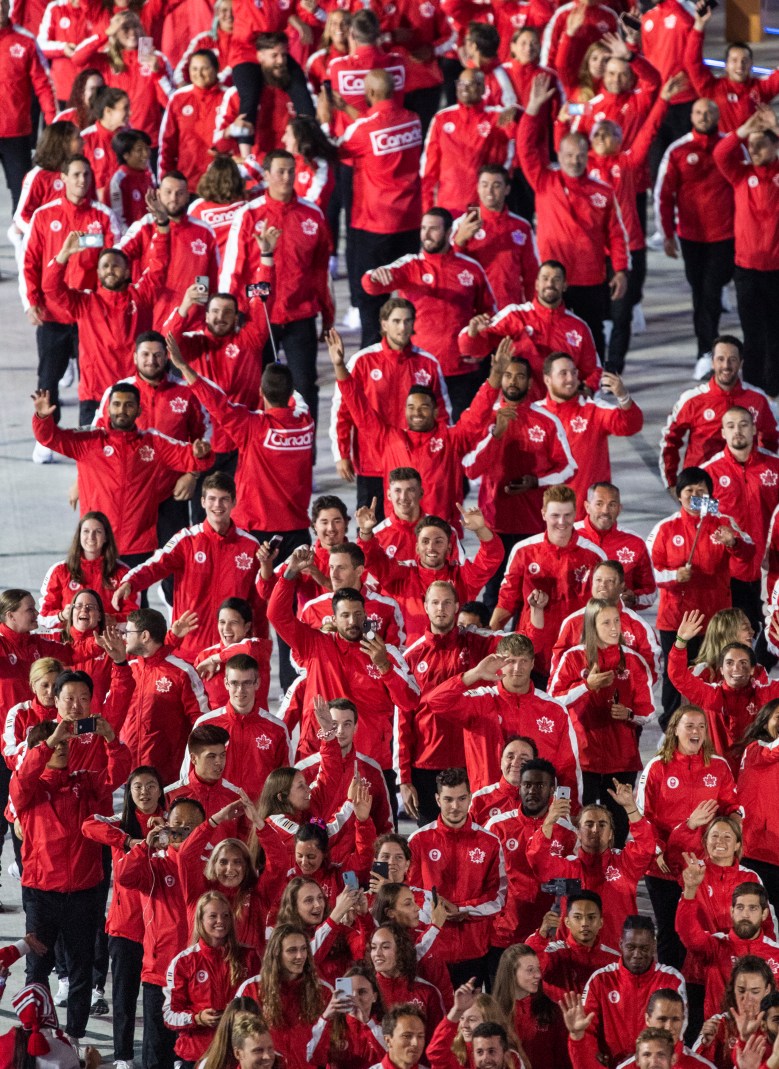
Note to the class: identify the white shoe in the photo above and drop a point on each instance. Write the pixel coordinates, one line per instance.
(124, 1065)
(70, 374)
(702, 366)
(638, 324)
(332, 266)
(657, 241)
(61, 997)
(13, 870)
(42, 455)
(351, 321)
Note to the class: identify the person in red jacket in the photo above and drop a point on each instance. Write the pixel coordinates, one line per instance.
(593, 21)
(63, 870)
(396, 534)
(603, 507)
(392, 954)
(756, 781)
(302, 287)
(537, 328)
(187, 128)
(581, 222)
(119, 466)
(207, 753)
(131, 179)
(506, 793)
(20, 647)
(447, 290)
(465, 864)
(537, 1021)
(756, 195)
(694, 203)
(257, 742)
(111, 110)
(235, 624)
(697, 415)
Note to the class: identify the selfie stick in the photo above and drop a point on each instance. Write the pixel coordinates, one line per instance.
(264, 298)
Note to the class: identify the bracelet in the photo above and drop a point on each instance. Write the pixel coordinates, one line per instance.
(212, 822)
(266, 255)
(624, 401)
(326, 734)
(632, 813)
(681, 641)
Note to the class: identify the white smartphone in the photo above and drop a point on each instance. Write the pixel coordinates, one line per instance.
(563, 792)
(145, 50)
(344, 985)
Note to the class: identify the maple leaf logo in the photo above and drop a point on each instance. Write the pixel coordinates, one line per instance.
(629, 637)
(422, 377)
(263, 742)
(536, 433)
(598, 200)
(769, 478)
(17, 51)
(579, 424)
(612, 874)
(519, 237)
(545, 725)
(232, 350)
(243, 562)
(709, 781)
(179, 404)
(465, 278)
(164, 684)
(436, 445)
(625, 555)
(477, 856)
(309, 226)
(146, 453)
(581, 573)
(199, 248)
(573, 337)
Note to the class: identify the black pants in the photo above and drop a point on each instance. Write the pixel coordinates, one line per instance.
(708, 266)
(493, 585)
(423, 780)
(521, 199)
(298, 340)
(451, 69)
(368, 487)
(595, 788)
(224, 462)
(341, 201)
(392, 789)
(100, 965)
(696, 994)
(371, 251)
(158, 1039)
(675, 125)
(672, 699)
(757, 293)
(622, 311)
(591, 303)
(15, 158)
(57, 344)
(126, 961)
(75, 917)
(664, 896)
(5, 779)
(172, 516)
(247, 79)
(425, 102)
(463, 388)
(290, 541)
(746, 596)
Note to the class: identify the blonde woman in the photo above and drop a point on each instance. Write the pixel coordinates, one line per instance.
(450, 1046)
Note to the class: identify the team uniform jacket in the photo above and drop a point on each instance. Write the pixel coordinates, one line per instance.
(52, 804)
(359, 1047)
(105, 357)
(736, 100)
(505, 246)
(213, 796)
(436, 454)
(605, 745)
(670, 542)
(50, 225)
(258, 648)
(526, 903)
(692, 197)
(460, 140)
(302, 288)
(102, 158)
(697, 416)
(354, 763)
(447, 289)
(119, 474)
(423, 739)
(489, 714)
(335, 666)
(614, 874)
(62, 24)
(684, 1058)
(598, 20)
(58, 589)
(208, 567)
(23, 71)
(466, 866)
(563, 572)
(757, 780)
(18, 651)
(383, 612)
(535, 443)
(218, 216)
(567, 965)
(219, 42)
(273, 480)
(127, 189)
(397, 537)
(431, 27)
(39, 187)
(535, 15)
(347, 74)
(755, 197)
(579, 219)
(618, 999)
(407, 581)
(749, 493)
(618, 543)
(493, 800)
(629, 110)
(292, 1036)
(18, 721)
(384, 148)
(168, 699)
(259, 742)
(193, 251)
(386, 375)
(637, 634)
(536, 332)
(187, 131)
(664, 34)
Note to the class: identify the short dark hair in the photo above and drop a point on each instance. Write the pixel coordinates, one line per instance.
(539, 764)
(769, 1001)
(77, 157)
(241, 662)
(209, 54)
(69, 675)
(239, 605)
(343, 704)
(749, 887)
(636, 923)
(584, 896)
(365, 26)
(328, 501)
(270, 39)
(401, 1009)
(739, 44)
(206, 735)
(493, 168)
(491, 1030)
(276, 154)
(433, 521)
(39, 732)
(517, 359)
(742, 646)
(393, 304)
(485, 37)
(729, 339)
(478, 608)
(185, 800)
(125, 387)
(656, 1035)
(441, 213)
(614, 565)
(522, 738)
(149, 620)
(691, 476)
(451, 777)
(352, 551)
(402, 474)
(219, 480)
(177, 175)
(277, 385)
(602, 485)
(552, 359)
(147, 335)
(223, 297)
(106, 97)
(347, 593)
(556, 265)
(394, 838)
(418, 387)
(112, 250)
(124, 141)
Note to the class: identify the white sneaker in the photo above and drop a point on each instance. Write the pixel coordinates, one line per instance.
(656, 241)
(42, 455)
(61, 997)
(13, 870)
(124, 1065)
(638, 324)
(351, 321)
(702, 366)
(70, 374)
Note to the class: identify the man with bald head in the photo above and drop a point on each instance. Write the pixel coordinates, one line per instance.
(578, 218)
(384, 148)
(694, 203)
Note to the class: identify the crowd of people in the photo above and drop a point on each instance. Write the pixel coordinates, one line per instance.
(481, 171)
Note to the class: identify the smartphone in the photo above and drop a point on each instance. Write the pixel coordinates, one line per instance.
(381, 868)
(202, 283)
(368, 629)
(90, 241)
(258, 289)
(145, 50)
(351, 883)
(178, 835)
(575, 109)
(87, 725)
(274, 542)
(327, 85)
(472, 208)
(163, 837)
(434, 896)
(344, 985)
(630, 21)
(563, 792)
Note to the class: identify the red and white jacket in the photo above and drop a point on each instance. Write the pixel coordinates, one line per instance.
(664, 33)
(347, 74)
(620, 544)
(127, 189)
(38, 187)
(259, 743)
(260, 649)
(102, 158)
(156, 876)
(447, 290)
(353, 764)
(567, 965)
(218, 216)
(749, 493)
(636, 633)
(505, 246)
(629, 109)
(757, 781)
(692, 197)
(187, 131)
(383, 612)
(63, 23)
(496, 799)
(756, 196)
(58, 588)
(23, 72)
(736, 100)
(599, 19)
(466, 866)
(536, 332)
(18, 650)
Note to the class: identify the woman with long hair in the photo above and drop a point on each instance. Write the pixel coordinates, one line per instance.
(338, 934)
(397, 902)
(78, 107)
(289, 993)
(581, 83)
(750, 981)
(221, 193)
(538, 1022)
(92, 562)
(144, 795)
(203, 978)
(686, 784)
(725, 626)
(315, 159)
(220, 1052)
(24, 715)
(43, 182)
(20, 647)
(450, 1047)
(335, 42)
(392, 954)
(235, 623)
(348, 1034)
(111, 111)
(758, 788)
(607, 688)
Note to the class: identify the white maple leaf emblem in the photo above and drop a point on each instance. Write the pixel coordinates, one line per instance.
(232, 350)
(545, 725)
(309, 226)
(581, 573)
(163, 684)
(263, 742)
(243, 562)
(709, 780)
(436, 445)
(199, 248)
(179, 404)
(17, 51)
(465, 278)
(598, 200)
(611, 874)
(146, 452)
(536, 433)
(477, 856)
(579, 424)
(422, 377)
(625, 555)
(519, 237)
(573, 337)
(629, 637)
(769, 478)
